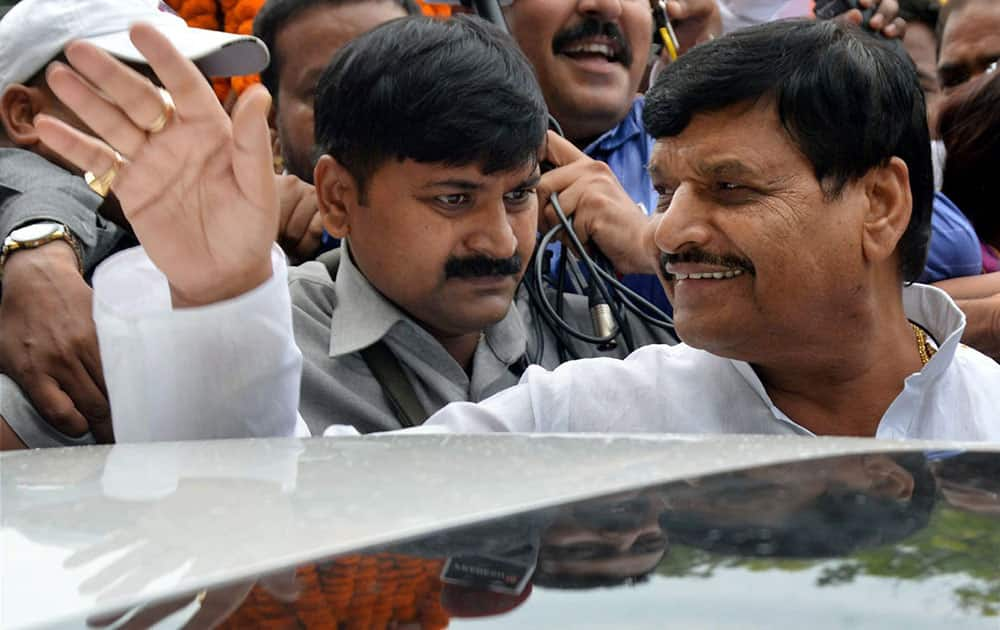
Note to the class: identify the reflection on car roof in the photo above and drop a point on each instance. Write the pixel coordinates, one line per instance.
(431, 530)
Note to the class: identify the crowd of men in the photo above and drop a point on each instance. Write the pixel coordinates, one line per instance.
(773, 190)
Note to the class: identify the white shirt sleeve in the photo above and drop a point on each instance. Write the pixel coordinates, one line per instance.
(226, 370)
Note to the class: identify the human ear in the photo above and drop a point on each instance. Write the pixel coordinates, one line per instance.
(890, 205)
(888, 479)
(279, 160)
(336, 193)
(19, 105)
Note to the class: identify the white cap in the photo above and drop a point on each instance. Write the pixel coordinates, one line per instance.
(34, 32)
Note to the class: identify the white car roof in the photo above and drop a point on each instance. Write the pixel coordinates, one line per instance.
(88, 530)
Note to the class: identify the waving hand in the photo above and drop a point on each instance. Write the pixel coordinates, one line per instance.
(197, 186)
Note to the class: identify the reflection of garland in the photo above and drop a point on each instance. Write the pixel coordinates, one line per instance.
(236, 16)
(370, 591)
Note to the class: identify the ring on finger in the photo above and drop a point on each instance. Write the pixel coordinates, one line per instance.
(101, 184)
(166, 114)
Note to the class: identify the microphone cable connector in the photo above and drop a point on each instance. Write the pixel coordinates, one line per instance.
(602, 319)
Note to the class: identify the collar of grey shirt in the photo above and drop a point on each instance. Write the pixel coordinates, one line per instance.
(363, 316)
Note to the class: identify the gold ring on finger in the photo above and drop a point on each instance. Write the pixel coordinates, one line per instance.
(166, 113)
(102, 184)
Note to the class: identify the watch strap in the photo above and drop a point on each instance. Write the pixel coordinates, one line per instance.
(59, 233)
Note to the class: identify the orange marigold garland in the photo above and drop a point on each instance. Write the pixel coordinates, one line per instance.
(231, 16)
(197, 13)
(434, 10)
(236, 16)
(357, 592)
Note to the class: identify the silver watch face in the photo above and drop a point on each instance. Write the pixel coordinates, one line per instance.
(35, 231)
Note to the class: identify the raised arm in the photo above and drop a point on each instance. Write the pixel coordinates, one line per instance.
(200, 194)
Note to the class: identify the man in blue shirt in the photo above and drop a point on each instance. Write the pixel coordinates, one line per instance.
(954, 251)
(626, 149)
(590, 58)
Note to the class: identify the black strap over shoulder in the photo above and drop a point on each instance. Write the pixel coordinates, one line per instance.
(396, 387)
(385, 367)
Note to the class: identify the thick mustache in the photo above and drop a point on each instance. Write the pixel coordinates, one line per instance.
(592, 27)
(482, 267)
(700, 256)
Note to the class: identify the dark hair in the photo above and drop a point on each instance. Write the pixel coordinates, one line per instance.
(39, 79)
(586, 581)
(836, 523)
(455, 91)
(849, 101)
(969, 121)
(275, 14)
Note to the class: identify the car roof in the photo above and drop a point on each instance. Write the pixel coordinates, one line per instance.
(89, 530)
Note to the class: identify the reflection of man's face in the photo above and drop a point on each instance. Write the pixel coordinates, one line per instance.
(589, 57)
(970, 42)
(769, 495)
(446, 244)
(756, 253)
(971, 483)
(971, 499)
(619, 537)
(304, 47)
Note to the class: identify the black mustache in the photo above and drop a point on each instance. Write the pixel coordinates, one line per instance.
(482, 267)
(700, 256)
(592, 27)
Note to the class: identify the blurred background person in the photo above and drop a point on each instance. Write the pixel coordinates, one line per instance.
(969, 40)
(303, 36)
(970, 126)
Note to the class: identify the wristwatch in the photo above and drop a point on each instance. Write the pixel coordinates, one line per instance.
(35, 235)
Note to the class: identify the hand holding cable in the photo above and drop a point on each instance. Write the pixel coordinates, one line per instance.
(603, 213)
(604, 233)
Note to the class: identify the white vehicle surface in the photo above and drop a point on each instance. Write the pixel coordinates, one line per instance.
(198, 532)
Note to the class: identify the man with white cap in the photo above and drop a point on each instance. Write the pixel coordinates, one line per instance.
(58, 223)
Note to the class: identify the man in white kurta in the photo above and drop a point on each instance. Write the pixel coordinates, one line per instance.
(658, 389)
(794, 207)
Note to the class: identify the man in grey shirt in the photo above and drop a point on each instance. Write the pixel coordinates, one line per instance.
(37, 192)
(436, 199)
